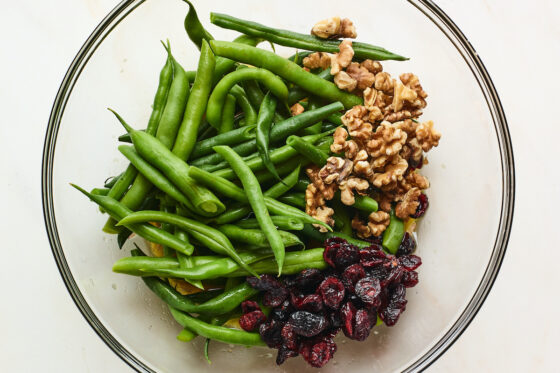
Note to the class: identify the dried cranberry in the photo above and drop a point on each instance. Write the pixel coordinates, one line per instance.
(352, 274)
(250, 321)
(395, 276)
(362, 325)
(270, 333)
(346, 255)
(372, 255)
(335, 322)
(310, 302)
(356, 301)
(347, 314)
(368, 289)
(407, 245)
(319, 353)
(410, 262)
(422, 206)
(275, 297)
(284, 354)
(282, 312)
(395, 307)
(378, 272)
(249, 305)
(410, 279)
(307, 324)
(265, 283)
(332, 291)
(329, 254)
(309, 279)
(289, 337)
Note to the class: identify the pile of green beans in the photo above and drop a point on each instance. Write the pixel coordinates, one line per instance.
(215, 177)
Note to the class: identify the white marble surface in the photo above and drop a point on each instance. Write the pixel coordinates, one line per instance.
(516, 329)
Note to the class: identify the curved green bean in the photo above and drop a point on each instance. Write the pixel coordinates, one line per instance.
(282, 222)
(256, 238)
(217, 98)
(243, 101)
(196, 32)
(233, 137)
(218, 333)
(228, 115)
(264, 124)
(285, 69)
(307, 150)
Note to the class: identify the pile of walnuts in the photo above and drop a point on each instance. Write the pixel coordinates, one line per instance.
(382, 144)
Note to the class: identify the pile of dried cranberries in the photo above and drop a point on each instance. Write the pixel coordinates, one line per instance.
(309, 309)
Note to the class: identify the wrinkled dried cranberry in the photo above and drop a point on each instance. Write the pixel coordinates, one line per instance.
(372, 255)
(249, 305)
(250, 321)
(410, 262)
(307, 324)
(319, 353)
(362, 325)
(308, 280)
(335, 240)
(378, 272)
(346, 255)
(407, 245)
(329, 254)
(368, 289)
(275, 297)
(332, 292)
(310, 302)
(284, 354)
(422, 206)
(410, 279)
(395, 307)
(356, 301)
(347, 314)
(352, 274)
(335, 322)
(289, 337)
(270, 333)
(265, 283)
(395, 276)
(282, 312)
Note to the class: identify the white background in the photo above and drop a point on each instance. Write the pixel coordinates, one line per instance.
(517, 328)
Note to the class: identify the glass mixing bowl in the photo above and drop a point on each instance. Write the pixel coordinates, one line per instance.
(462, 239)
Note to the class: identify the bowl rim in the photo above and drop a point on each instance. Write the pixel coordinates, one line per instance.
(471, 58)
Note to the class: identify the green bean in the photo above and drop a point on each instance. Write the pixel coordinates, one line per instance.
(196, 32)
(167, 227)
(125, 138)
(393, 235)
(314, 103)
(217, 98)
(184, 260)
(246, 107)
(282, 222)
(297, 93)
(160, 99)
(196, 105)
(175, 106)
(118, 211)
(285, 69)
(186, 335)
(278, 132)
(264, 123)
(254, 92)
(254, 194)
(219, 305)
(155, 152)
(276, 156)
(294, 263)
(328, 126)
(229, 138)
(302, 183)
(362, 203)
(225, 65)
(153, 175)
(237, 212)
(335, 119)
(301, 41)
(140, 265)
(307, 150)
(217, 269)
(294, 199)
(341, 217)
(264, 176)
(208, 236)
(100, 191)
(228, 115)
(256, 238)
(218, 333)
(124, 181)
(299, 56)
(110, 181)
